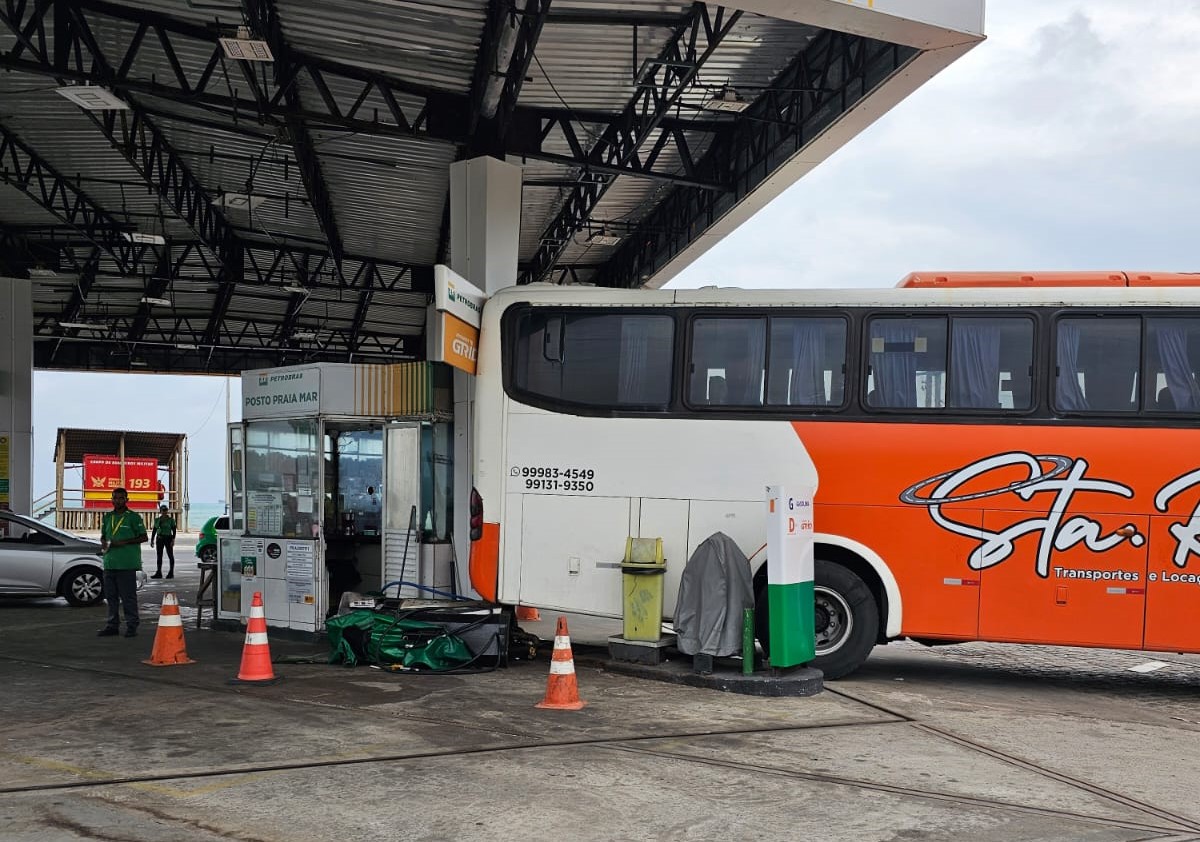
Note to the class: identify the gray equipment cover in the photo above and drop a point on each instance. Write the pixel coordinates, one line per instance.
(714, 590)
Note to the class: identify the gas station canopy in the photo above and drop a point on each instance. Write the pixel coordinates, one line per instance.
(214, 185)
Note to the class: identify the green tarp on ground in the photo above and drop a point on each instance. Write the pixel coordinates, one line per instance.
(387, 640)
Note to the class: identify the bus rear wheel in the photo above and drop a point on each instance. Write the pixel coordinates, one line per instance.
(846, 618)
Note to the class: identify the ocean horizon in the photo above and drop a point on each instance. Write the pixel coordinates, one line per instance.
(198, 513)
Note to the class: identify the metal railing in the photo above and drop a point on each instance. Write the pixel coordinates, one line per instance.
(73, 517)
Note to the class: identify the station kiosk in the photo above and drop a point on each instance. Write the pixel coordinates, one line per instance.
(340, 479)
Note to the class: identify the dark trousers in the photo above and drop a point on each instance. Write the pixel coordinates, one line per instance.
(120, 590)
(169, 544)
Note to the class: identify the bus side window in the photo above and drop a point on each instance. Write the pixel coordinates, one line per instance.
(907, 363)
(1172, 357)
(734, 349)
(807, 362)
(991, 362)
(1097, 364)
(605, 359)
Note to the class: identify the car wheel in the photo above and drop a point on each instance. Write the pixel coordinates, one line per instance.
(846, 618)
(209, 554)
(83, 587)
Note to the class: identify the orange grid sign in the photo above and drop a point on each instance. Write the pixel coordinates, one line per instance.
(101, 474)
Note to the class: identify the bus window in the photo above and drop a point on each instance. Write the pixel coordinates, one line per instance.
(907, 363)
(731, 349)
(991, 363)
(807, 362)
(1172, 357)
(1097, 361)
(595, 359)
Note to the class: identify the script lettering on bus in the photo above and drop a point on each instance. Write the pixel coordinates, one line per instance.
(1186, 535)
(1059, 476)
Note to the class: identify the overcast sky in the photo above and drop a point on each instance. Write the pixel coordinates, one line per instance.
(1067, 140)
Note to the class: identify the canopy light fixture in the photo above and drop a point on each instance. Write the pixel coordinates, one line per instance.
(246, 48)
(602, 238)
(238, 201)
(93, 98)
(161, 302)
(304, 335)
(186, 346)
(97, 326)
(147, 239)
(726, 99)
(295, 290)
(138, 363)
(39, 272)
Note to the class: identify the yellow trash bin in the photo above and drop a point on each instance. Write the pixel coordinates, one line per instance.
(642, 574)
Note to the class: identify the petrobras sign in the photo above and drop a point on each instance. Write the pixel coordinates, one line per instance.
(281, 392)
(790, 534)
(453, 294)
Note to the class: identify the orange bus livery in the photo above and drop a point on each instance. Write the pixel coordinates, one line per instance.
(997, 456)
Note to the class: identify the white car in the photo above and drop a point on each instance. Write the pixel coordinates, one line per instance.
(39, 560)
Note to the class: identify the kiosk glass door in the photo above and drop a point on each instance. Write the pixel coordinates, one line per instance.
(402, 511)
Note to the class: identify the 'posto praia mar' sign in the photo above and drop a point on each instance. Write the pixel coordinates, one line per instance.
(281, 392)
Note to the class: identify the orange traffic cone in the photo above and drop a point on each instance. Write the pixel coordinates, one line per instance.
(562, 693)
(524, 612)
(256, 654)
(168, 640)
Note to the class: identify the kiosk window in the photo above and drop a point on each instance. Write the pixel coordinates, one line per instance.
(282, 478)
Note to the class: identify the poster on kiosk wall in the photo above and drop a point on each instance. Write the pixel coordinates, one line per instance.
(284, 572)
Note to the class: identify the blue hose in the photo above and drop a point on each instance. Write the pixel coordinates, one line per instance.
(403, 584)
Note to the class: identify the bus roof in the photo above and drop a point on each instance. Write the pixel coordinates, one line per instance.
(939, 280)
(1012, 295)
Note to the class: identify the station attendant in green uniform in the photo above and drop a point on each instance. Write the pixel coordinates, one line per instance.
(164, 539)
(122, 534)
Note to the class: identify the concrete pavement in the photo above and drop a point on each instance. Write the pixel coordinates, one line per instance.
(987, 742)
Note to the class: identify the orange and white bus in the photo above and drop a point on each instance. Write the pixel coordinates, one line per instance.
(1000, 457)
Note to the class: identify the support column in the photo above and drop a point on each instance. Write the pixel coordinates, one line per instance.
(485, 222)
(485, 238)
(16, 394)
(60, 472)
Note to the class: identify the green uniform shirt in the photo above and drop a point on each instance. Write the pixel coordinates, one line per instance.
(164, 526)
(121, 527)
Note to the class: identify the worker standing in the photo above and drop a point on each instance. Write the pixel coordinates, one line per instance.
(164, 538)
(121, 534)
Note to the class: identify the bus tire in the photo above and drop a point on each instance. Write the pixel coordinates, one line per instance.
(846, 618)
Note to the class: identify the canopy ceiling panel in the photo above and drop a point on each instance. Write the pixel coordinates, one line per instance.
(198, 211)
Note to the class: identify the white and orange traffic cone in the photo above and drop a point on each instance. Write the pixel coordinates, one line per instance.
(168, 640)
(256, 654)
(562, 693)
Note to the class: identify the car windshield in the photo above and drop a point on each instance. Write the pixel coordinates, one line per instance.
(32, 523)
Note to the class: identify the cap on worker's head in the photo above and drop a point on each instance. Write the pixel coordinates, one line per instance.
(163, 507)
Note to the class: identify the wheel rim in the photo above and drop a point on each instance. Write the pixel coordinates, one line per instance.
(834, 620)
(208, 554)
(87, 587)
